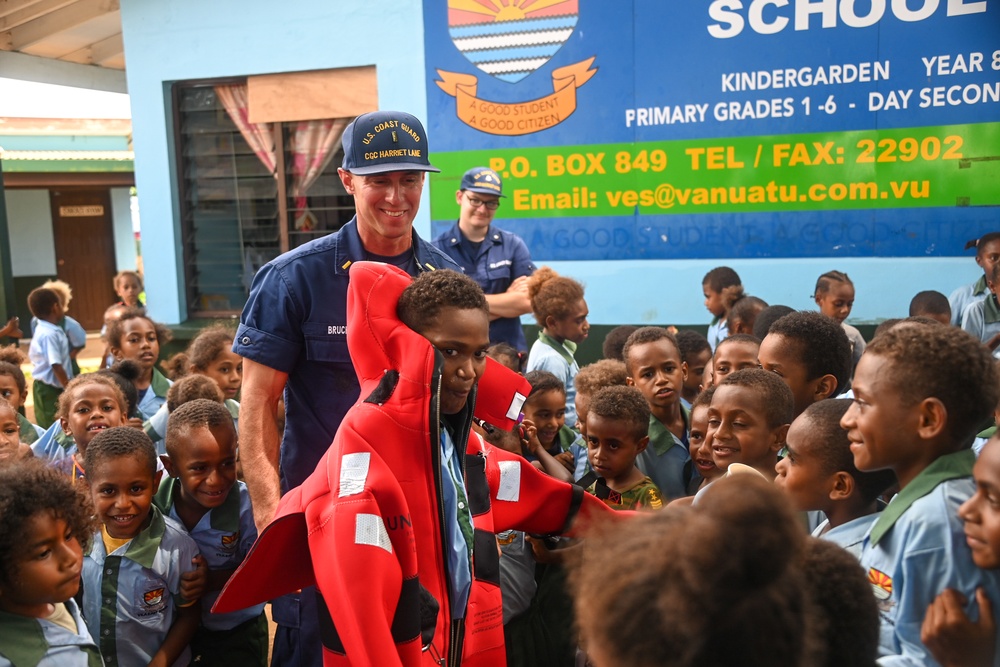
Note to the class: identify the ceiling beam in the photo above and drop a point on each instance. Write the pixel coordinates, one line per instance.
(30, 12)
(9, 6)
(58, 21)
(23, 67)
(99, 52)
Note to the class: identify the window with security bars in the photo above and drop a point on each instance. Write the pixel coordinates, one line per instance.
(248, 192)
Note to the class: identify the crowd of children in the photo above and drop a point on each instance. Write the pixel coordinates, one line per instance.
(730, 448)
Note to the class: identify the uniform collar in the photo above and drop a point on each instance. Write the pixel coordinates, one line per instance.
(143, 547)
(566, 349)
(991, 311)
(159, 384)
(24, 643)
(224, 518)
(351, 250)
(980, 286)
(942, 469)
(658, 429)
(455, 236)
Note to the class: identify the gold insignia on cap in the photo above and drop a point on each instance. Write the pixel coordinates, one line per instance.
(395, 139)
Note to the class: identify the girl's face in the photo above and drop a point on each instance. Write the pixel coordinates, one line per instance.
(10, 392)
(92, 408)
(696, 443)
(128, 289)
(138, 343)
(837, 301)
(227, 371)
(10, 435)
(547, 411)
(48, 571)
(573, 327)
(713, 301)
(988, 256)
(981, 512)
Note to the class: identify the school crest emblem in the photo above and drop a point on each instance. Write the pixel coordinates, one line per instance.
(881, 584)
(508, 40)
(153, 598)
(229, 542)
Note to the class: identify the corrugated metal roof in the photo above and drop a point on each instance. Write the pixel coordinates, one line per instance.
(67, 155)
(67, 161)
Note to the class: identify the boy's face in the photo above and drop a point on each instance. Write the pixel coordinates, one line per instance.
(612, 447)
(696, 370)
(783, 357)
(128, 289)
(656, 370)
(10, 435)
(10, 392)
(880, 426)
(547, 411)
(981, 512)
(713, 301)
(227, 371)
(573, 327)
(582, 403)
(741, 433)
(205, 465)
(837, 301)
(732, 357)
(462, 336)
(93, 408)
(701, 455)
(139, 343)
(123, 493)
(48, 571)
(800, 474)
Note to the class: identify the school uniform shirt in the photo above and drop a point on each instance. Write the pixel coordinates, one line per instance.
(155, 395)
(850, 536)
(53, 444)
(665, 457)
(49, 346)
(916, 549)
(965, 296)
(857, 343)
(224, 535)
(717, 332)
(40, 642)
(74, 331)
(982, 320)
(27, 431)
(547, 354)
(501, 258)
(131, 596)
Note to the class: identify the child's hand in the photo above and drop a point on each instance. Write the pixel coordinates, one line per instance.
(567, 460)
(194, 583)
(529, 437)
(134, 422)
(993, 342)
(952, 638)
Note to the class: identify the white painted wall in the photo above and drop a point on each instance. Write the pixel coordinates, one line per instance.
(29, 221)
(121, 221)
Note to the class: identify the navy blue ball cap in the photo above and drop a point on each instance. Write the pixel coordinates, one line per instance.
(382, 141)
(483, 180)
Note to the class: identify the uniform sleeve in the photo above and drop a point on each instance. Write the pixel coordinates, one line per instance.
(523, 266)
(959, 301)
(650, 498)
(270, 330)
(973, 320)
(523, 498)
(76, 333)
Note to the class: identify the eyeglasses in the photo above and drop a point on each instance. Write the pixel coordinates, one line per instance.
(475, 202)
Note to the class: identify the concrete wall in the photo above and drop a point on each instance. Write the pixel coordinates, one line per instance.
(121, 221)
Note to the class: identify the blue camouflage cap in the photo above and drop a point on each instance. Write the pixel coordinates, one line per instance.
(383, 141)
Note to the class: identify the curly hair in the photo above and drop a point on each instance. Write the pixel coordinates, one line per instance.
(820, 343)
(552, 295)
(614, 342)
(69, 395)
(193, 387)
(203, 349)
(720, 278)
(506, 354)
(699, 604)
(200, 412)
(945, 363)
(116, 329)
(690, 343)
(834, 450)
(543, 381)
(32, 487)
(41, 301)
(704, 398)
(62, 290)
(826, 281)
(117, 443)
(623, 404)
(125, 373)
(775, 396)
(600, 374)
(644, 335)
(930, 302)
(731, 295)
(432, 292)
(11, 358)
(743, 313)
(767, 317)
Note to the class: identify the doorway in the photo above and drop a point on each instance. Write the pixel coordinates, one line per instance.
(85, 251)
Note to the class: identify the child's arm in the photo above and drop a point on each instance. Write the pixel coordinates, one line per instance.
(550, 465)
(195, 582)
(952, 638)
(60, 374)
(179, 636)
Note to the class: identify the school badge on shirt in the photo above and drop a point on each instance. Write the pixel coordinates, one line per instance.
(882, 588)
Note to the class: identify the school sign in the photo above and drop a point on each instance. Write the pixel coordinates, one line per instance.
(643, 129)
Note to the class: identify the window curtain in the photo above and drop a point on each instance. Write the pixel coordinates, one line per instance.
(260, 136)
(313, 144)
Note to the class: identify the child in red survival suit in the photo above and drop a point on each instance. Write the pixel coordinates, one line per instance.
(398, 525)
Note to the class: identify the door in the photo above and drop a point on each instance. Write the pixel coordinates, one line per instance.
(85, 251)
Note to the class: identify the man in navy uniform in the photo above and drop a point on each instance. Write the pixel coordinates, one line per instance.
(292, 335)
(496, 259)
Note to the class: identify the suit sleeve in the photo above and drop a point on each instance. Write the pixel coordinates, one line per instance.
(523, 498)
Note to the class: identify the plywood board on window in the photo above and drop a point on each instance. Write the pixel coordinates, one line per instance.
(332, 93)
